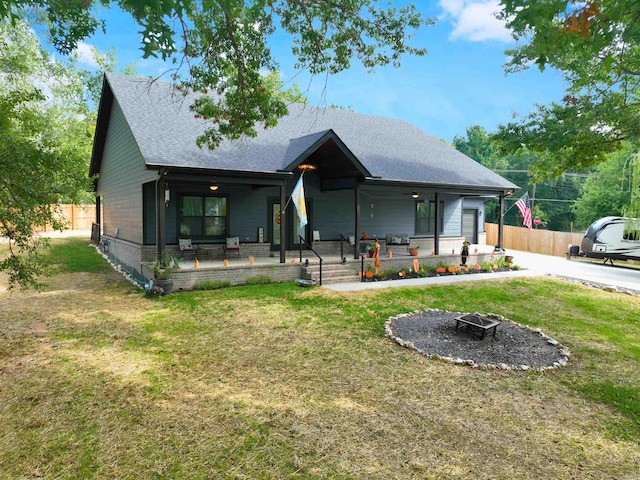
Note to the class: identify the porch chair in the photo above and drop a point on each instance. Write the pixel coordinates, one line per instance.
(187, 248)
(232, 245)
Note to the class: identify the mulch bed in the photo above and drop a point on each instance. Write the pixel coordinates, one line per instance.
(433, 333)
(405, 275)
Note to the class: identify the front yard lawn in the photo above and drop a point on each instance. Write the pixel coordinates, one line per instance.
(276, 381)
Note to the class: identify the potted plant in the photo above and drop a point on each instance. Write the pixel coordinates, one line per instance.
(414, 251)
(163, 270)
(371, 249)
(370, 272)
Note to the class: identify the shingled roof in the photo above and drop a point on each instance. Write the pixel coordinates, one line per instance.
(383, 148)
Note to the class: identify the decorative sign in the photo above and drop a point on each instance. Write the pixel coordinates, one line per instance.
(536, 220)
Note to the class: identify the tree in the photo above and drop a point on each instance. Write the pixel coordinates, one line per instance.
(607, 191)
(554, 195)
(273, 82)
(222, 47)
(478, 145)
(45, 144)
(596, 46)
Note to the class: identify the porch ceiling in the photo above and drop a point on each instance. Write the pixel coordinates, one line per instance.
(332, 162)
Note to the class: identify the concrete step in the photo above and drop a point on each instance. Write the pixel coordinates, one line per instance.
(332, 273)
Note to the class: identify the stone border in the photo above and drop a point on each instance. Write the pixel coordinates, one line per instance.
(564, 351)
(118, 268)
(601, 286)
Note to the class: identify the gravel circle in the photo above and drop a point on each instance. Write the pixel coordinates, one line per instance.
(433, 333)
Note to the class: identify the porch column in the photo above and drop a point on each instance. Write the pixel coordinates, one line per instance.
(436, 238)
(356, 253)
(160, 215)
(500, 221)
(283, 230)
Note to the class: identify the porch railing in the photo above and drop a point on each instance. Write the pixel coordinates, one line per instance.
(353, 247)
(302, 240)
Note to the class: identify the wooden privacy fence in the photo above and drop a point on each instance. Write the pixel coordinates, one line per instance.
(78, 217)
(545, 242)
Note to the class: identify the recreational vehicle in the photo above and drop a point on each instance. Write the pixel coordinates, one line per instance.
(613, 238)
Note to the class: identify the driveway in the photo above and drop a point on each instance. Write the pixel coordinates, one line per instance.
(619, 276)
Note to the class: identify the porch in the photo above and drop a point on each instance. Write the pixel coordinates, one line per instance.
(335, 268)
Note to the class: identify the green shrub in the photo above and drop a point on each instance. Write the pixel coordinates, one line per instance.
(426, 270)
(212, 285)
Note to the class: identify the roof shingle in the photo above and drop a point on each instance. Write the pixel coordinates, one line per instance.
(166, 132)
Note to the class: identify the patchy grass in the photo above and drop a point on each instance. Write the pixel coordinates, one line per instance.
(276, 381)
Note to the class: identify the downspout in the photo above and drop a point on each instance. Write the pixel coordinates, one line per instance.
(98, 217)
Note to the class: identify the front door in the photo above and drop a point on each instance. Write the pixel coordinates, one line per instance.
(274, 225)
(294, 229)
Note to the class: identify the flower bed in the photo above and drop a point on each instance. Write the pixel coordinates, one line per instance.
(499, 265)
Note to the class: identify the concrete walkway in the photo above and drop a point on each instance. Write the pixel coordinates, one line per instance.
(533, 265)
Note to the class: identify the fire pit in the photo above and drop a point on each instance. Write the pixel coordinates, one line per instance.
(477, 324)
(433, 333)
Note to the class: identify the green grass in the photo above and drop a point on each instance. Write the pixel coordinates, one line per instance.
(73, 254)
(278, 381)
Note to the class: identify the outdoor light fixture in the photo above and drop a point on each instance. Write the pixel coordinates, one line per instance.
(415, 194)
(214, 187)
(306, 166)
(167, 195)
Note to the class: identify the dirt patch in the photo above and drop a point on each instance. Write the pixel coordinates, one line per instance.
(515, 346)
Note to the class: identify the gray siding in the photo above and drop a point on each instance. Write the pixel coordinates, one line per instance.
(452, 215)
(383, 211)
(477, 203)
(120, 183)
(248, 211)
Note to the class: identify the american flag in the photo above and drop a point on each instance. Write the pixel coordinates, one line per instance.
(525, 209)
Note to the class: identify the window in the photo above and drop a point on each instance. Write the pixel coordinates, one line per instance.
(631, 230)
(203, 217)
(426, 217)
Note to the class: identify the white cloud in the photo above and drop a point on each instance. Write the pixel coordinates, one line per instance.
(475, 20)
(84, 53)
(453, 7)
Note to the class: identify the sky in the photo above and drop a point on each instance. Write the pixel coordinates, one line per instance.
(459, 83)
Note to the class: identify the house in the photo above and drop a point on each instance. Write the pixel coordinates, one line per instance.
(362, 173)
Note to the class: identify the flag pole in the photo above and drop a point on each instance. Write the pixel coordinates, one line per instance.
(283, 209)
(512, 205)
